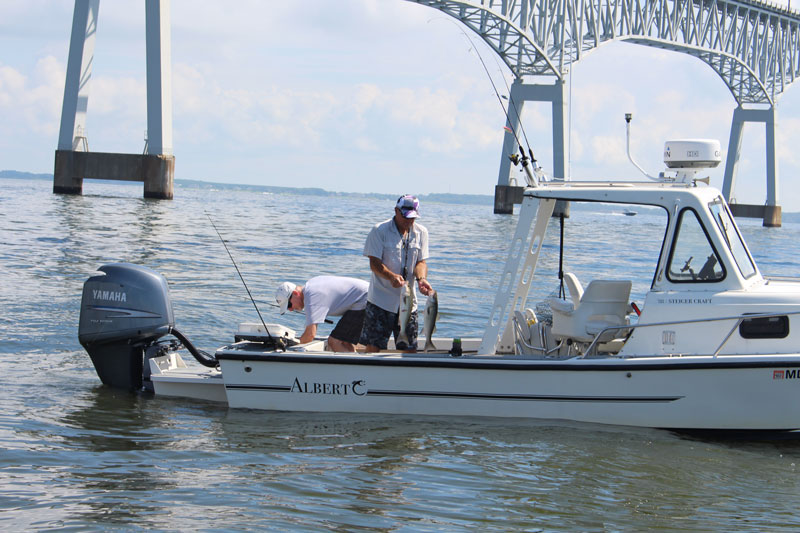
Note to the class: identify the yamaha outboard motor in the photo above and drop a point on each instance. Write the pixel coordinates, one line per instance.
(122, 312)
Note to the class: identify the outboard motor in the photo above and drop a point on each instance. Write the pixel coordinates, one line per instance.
(123, 312)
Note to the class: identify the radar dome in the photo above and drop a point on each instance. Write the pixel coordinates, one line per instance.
(692, 153)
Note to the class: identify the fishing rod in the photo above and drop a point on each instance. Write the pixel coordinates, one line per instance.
(496, 92)
(513, 104)
(533, 180)
(511, 101)
(277, 340)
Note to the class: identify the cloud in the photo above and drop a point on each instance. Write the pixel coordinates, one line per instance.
(366, 144)
(12, 83)
(34, 103)
(608, 150)
(365, 87)
(786, 144)
(340, 116)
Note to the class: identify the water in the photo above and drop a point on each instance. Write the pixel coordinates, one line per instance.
(76, 455)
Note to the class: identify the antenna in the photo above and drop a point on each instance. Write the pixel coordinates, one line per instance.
(628, 117)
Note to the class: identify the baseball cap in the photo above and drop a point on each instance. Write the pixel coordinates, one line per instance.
(283, 293)
(408, 206)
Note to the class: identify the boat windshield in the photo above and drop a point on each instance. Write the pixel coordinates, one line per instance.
(693, 257)
(733, 239)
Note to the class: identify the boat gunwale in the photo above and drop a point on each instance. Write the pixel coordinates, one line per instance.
(517, 363)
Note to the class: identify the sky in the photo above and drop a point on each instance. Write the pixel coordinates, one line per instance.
(359, 96)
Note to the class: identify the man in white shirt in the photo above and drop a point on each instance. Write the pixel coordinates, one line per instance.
(397, 249)
(324, 296)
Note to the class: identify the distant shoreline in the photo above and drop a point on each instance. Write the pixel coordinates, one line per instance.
(445, 198)
(471, 199)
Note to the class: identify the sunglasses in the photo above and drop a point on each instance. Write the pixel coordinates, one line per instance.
(289, 307)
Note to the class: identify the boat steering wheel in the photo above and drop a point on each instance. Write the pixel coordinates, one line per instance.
(688, 267)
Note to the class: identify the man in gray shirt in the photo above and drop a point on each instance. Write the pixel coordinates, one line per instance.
(397, 249)
(328, 296)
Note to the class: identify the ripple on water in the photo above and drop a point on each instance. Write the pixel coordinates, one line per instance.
(77, 455)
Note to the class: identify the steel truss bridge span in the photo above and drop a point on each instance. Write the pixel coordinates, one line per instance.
(754, 47)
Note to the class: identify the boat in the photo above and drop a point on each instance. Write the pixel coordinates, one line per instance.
(629, 213)
(713, 345)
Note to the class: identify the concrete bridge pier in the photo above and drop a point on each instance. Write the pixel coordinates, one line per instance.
(72, 132)
(508, 192)
(770, 212)
(156, 171)
(73, 160)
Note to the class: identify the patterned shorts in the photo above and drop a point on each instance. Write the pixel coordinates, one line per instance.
(379, 324)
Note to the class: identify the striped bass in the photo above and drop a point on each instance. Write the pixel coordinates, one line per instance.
(431, 313)
(404, 317)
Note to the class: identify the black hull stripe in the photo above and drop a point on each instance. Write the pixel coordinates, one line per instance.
(263, 388)
(476, 395)
(526, 397)
(675, 364)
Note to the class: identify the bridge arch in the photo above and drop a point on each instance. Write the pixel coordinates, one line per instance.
(753, 47)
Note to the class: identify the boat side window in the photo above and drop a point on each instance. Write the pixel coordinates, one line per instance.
(693, 257)
(773, 327)
(733, 238)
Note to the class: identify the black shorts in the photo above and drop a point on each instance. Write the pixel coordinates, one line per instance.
(348, 329)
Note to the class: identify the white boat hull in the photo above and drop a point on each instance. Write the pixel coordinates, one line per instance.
(170, 376)
(732, 393)
(714, 347)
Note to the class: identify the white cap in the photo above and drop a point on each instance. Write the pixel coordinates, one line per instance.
(283, 294)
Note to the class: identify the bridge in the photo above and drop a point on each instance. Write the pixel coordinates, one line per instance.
(752, 46)
(73, 160)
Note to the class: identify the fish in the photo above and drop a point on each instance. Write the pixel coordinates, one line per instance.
(404, 317)
(431, 314)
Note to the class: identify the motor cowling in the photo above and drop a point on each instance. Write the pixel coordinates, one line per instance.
(122, 312)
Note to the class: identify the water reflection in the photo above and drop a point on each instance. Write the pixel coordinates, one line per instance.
(79, 455)
(109, 420)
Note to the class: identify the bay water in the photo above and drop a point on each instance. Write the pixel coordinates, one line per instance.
(76, 455)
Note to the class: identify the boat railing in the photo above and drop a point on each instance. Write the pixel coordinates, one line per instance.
(782, 278)
(521, 338)
(737, 318)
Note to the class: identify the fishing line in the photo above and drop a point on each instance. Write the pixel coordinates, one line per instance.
(514, 105)
(497, 93)
(277, 339)
(561, 292)
(513, 157)
(239, 295)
